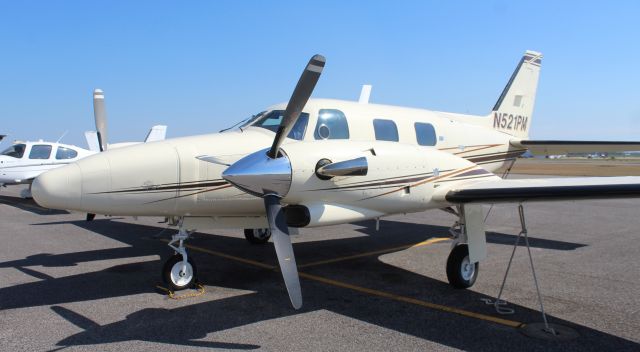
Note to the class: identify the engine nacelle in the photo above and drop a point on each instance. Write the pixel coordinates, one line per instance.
(399, 178)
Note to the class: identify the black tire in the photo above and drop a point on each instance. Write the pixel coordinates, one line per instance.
(257, 236)
(458, 268)
(170, 280)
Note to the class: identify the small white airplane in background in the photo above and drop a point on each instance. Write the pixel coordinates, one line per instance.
(23, 161)
(331, 162)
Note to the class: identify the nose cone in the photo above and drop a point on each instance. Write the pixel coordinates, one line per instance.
(59, 188)
(257, 174)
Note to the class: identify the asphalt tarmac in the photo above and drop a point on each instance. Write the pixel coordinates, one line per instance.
(68, 284)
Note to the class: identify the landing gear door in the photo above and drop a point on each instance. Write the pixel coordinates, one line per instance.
(474, 228)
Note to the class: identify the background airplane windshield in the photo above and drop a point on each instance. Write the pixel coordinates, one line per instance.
(16, 151)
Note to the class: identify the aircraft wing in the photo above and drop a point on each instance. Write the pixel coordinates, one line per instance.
(543, 189)
(552, 147)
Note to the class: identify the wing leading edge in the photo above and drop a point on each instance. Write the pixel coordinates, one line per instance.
(545, 189)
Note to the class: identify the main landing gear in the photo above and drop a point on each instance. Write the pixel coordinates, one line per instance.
(461, 271)
(257, 236)
(179, 271)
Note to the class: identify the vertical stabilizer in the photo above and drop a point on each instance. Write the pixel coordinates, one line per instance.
(513, 110)
(156, 133)
(92, 140)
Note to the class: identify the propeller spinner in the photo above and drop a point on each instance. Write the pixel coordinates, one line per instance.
(267, 174)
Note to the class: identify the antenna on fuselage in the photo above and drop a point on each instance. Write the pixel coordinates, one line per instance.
(365, 93)
(64, 134)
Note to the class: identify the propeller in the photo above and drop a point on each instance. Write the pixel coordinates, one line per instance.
(298, 100)
(100, 115)
(268, 175)
(284, 249)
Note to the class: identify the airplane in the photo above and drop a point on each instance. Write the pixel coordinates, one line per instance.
(22, 162)
(318, 162)
(2, 137)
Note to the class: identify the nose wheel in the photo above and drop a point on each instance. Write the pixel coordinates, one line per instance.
(179, 272)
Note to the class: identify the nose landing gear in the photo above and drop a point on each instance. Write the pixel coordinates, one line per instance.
(179, 272)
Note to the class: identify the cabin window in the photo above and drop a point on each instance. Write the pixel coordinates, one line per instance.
(40, 151)
(66, 153)
(272, 120)
(386, 130)
(15, 151)
(332, 124)
(425, 133)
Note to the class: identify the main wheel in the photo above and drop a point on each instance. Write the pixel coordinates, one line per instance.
(460, 272)
(257, 236)
(174, 275)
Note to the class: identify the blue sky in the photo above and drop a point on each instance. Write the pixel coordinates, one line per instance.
(199, 66)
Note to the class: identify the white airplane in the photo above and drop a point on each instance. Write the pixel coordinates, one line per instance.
(321, 162)
(24, 161)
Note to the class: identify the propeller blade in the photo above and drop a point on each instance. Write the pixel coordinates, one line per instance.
(100, 115)
(298, 100)
(284, 249)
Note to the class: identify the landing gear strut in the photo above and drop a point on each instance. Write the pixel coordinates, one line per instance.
(257, 236)
(179, 272)
(461, 271)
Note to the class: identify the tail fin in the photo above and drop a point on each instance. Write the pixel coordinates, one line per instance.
(92, 140)
(156, 133)
(512, 112)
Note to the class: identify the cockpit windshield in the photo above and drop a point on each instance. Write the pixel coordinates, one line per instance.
(272, 120)
(16, 151)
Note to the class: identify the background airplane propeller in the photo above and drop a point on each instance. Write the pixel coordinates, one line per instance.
(265, 176)
(100, 115)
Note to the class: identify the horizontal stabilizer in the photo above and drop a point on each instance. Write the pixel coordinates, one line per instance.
(552, 147)
(545, 189)
(156, 133)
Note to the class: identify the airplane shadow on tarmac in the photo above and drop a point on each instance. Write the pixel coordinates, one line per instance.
(190, 324)
(27, 204)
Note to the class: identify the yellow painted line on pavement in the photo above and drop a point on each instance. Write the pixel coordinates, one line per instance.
(228, 256)
(380, 251)
(373, 292)
(440, 307)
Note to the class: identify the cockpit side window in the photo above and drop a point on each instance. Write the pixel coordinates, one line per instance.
(65, 153)
(40, 151)
(272, 120)
(15, 151)
(332, 124)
